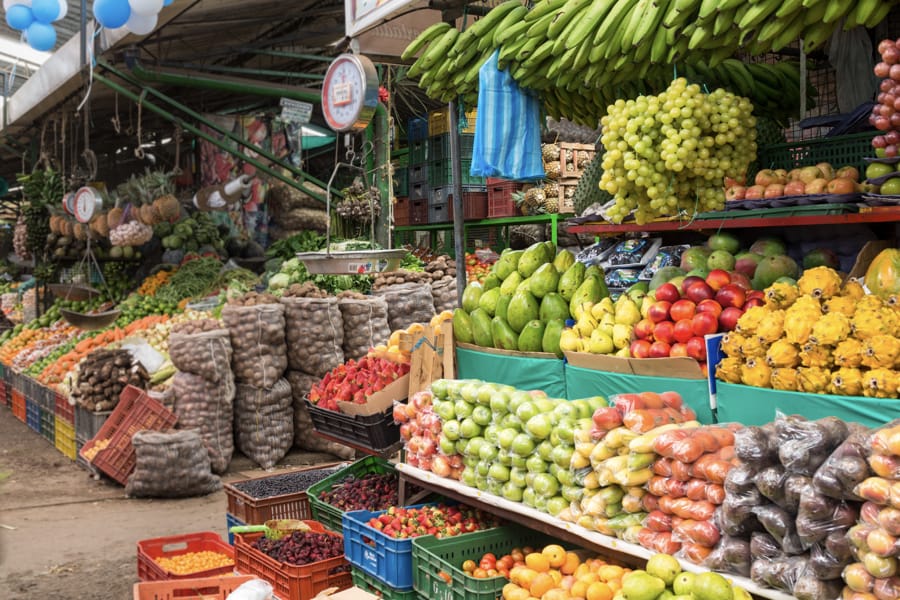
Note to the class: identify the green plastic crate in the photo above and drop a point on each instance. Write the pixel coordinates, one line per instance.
(439, 148)
(839, 150)
(401, 181)
(440, 174)
(431, 555)
(325, 513)
(373, 585)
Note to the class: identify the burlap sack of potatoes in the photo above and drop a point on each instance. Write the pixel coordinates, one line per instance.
(365, 325)
(264, 422)
(314, 330)
(207, 407)
(408, 303)
(257, 338)
(206, 354)
(171, 464)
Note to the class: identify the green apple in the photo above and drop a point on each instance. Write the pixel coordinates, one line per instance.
(439, 388)
(516, 399)
(511, 492)
(583, 407)
(545, 485)
(522, 445)
(527, 410)
(539, 426)
(517, 476)
(565, 410)
(545, 450)
(462, 444)
(556, 505)
(499, 472)
(469, 392)
(481, 482)
(446, 445)
(540, 503)
(511, 420)
(471, 461)
(468, 428)
(499, 403)
(504, 457)
(535, 464)
(491, 433)
(562, 456)
(485, 393)
(444, 409)
(468, 476)
(546, 405)
(487, 452)
(518, 461)
(451, 429)
(505, 437)
(474, 446)
(565, 431)
(572, 493)
(462, 409)
(483, 467)
(528, 497)
(566, 477)
(482, 415)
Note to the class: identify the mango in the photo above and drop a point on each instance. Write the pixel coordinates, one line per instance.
(533, 257)
(488, 301)
(591, 290)
(471, 296)
(553, 306)
(531, 337)
(500, 310)
(563, 260)
(509, 285)
(503, 336)
(462, 326)
(544, 280)
(522, 308)
(550, 340)
(481, 328)
(491, 281)
(507, 264)
(570, 280)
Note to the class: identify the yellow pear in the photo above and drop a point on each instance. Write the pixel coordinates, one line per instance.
(581, 308)
(604, 307)
(646, 303)
(585, 325)
(600, 343)
(607, 323)
(622, 335)
(627, 311)
(623, 352)
(568, 340)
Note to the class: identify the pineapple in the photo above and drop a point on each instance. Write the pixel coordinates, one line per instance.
(820, 282)
(551, 198)
(756, 373)
(784, 379)
(549, 152)
(814, 355)
(783, 354)
(853, 289)
(831, 329)
(731, 344)
(551, 170)
(751, 319)
(881, 351)
(846, 382)
(813, 380)
(729, 370)
(881, 383)
(781, 295)
(771, 328)
(846, 305)
(848, 353)
(530, 201)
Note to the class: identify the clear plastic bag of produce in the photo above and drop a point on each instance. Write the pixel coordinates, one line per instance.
(731, 555)
(668, 256)
(258, 341)
(780, 572)
(304, 432)
(408, 303)
(264, 422)
(172, 464)
(206, 354)
(803, 446)
(846, 467)
(365, 325)
(757, 446)
(780, 525)
(255, 589)
(207, 407)
(314, 331)
(828, 559)
(820, 516)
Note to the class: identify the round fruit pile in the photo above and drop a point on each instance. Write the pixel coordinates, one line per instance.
(886, 114)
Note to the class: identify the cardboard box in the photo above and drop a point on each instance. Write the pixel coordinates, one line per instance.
(352, 593)
(866, 256)
(679, 367)
(378, 402)
(506, 352)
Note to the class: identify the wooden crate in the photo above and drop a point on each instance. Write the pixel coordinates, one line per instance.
(567, 195)
(574, 159)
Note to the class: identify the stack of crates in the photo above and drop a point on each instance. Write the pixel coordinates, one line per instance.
(64, 418)
(417, 171)
(440, 170)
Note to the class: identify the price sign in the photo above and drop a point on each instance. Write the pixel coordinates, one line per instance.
(294, 110)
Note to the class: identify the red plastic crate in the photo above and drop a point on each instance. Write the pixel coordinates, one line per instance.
(499, 197)
(4, 397)
(136, 411)
(291, 582)
(401, 212)
(200, 588)
(17, 400)
(418, 212)
(176, 545)
(64, 410)
(475, 205)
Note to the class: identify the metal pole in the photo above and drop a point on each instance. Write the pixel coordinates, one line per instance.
(84, 11)
(459, 234)
(383, 173)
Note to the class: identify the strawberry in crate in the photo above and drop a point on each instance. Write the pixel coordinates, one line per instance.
(438, 520)
(354, 381)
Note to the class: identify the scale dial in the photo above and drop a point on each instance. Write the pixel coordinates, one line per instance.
(350, 93)
(87, 203)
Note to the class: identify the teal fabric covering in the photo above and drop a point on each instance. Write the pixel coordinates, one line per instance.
(757, 406)
(581, 383)
(545, 374)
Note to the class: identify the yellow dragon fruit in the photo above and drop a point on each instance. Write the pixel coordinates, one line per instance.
(869, 302)
(807, 303)
(785, 380)
(731, 344)
(831, 329)
(771, 328)
(848, 353)
(798, 324)
(753, 348)
(756, 373)
(782, 354)
(751, 319)
(846, 382)
(853, 289)
(813, 380)
(816, 355)
(881, 351)
(881, 383)
(781, 295)
(729, 369)
(820, 282)
(869, 322)
(845, 305)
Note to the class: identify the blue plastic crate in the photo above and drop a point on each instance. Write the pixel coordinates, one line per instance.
(232, 521)
(33, 415)
(417, 129)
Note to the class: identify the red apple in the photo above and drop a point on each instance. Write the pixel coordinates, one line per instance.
(683, 309)
(710, 306)
(640, 349)
(740, 279)
(696, 348)
(729, 318)
(756, 294)
(688, 281)
(683, 330)
(700, 291)
(659, 311)
(753, 302)
(737, 192)
(704, 323)
(767, 176)
(664, 332)
(678, 349)
(643, 329)
(717, 279)
(667, 292)
(774, 190)
(731, 295)
(757, 192)
(795, 188)
(660, 349)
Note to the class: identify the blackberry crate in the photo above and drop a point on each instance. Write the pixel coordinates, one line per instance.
(377, 432)
(289, 505)
(325, 513)
(475, 201)
(33, 415)
(48, 425)
(63, 408)
(440, 146)
(440, 173)
(176, 545)
(232, 521)
(417, 129)
(64, 437)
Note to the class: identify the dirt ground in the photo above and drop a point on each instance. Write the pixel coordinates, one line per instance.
(67, 536)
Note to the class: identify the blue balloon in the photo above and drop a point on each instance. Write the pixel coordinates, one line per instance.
(41, 36)
(19, 16)
(45, 11)
(112, 14)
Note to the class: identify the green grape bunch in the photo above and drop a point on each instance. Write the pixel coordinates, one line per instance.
(668, 155)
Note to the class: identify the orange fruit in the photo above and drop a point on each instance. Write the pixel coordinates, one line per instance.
(541, 584)
(556, 594)
(579, 589)
(538, 562)
(571, 563)
(556, 575)
(610, 572)
(513, 592)
(556, 555)
(599, 591)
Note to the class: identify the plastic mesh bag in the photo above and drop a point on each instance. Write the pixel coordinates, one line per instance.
(205, 354)
(408, 303)
(208, 408)
(314, 334)
(445, 296)
(264, 422)
(257, 338)
(365, 325)
(171, 464)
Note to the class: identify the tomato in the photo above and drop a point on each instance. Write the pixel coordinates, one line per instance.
(505, 562)
(487, 564)
(469, 566)
(479, 574)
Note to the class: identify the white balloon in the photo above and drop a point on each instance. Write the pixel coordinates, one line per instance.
(8, 3)
(145, 7)
(141, 24)
(63, 9)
